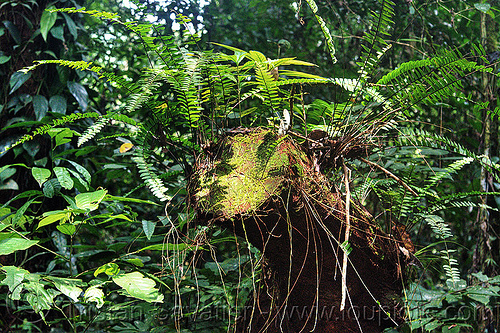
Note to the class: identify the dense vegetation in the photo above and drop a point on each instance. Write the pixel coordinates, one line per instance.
(114, 132)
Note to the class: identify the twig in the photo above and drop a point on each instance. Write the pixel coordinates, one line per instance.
(347, 177)
(390, 174)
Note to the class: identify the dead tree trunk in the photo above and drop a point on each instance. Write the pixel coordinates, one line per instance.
(268, 191)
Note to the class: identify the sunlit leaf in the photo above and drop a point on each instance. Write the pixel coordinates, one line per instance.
(63, 216)
(149, 228)
(69, 287)
(110, 269)
(125, 147)
(11, 245)
(64, 177)
(90, 200)
(66, 228)
(40, 174)
(14, 277)
(139, 286)
(94, 294)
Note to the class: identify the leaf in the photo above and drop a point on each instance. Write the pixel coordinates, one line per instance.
(80, 93)
(483, 7)
(94, 294)
(82, 171)
(14, 32)
(53, 218)
(14, 277)
(38, 297)
(58, 104)
(47, 22)
(51, 187)
(66, 228)
(125, 147)
(68, 287)
(11, 245)
(4, 58)
(17, 79)
(149, 228)
(64, 177)
(71, 25)
(111, 269)
(41, 106)
(58, 32)
(41, 175)
(167, 247)
(90, 200)
(139, 286)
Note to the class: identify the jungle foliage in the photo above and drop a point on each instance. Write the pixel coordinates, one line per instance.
(98, 144)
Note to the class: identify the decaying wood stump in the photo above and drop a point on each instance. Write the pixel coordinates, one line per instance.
(267, 190)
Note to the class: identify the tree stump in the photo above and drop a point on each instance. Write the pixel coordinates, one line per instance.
(267, 190)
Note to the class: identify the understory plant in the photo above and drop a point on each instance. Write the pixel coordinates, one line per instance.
(117, 258)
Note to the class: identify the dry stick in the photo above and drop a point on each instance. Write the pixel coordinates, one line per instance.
(390, 175)
(347, 177)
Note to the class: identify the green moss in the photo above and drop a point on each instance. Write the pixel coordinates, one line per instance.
(252, 168)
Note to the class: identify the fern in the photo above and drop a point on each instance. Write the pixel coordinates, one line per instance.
(46, 128)
(324, 29)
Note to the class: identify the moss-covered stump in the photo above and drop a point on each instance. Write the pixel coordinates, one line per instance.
(266, 189)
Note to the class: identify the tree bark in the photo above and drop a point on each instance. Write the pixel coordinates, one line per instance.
(268, 191)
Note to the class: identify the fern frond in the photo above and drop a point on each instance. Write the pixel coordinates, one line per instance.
(149, 175)
(376, 39)
(324, 29)
(87, 66)
(417, 137)
(92, 131)
(56, 122)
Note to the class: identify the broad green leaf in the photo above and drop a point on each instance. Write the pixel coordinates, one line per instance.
(58, 32)
(51, 187)
(79, 178)
(14, 277)
(64, 136)
(483, 7)
(4, 59)
(47, 22)
(149, 228)
(40, 174)
(80, 93)
(69, 287)
(82, 170)
(66, 228)
(39, 297)
(14, 32)
(111, 269)
(11, 245)
(41, 106)
(63, 217)
(58, 104)
(90, 200)
(139, 286)
(17, 79)
(94, 294)
(136, 262)
(64, 177)
(71, 25)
